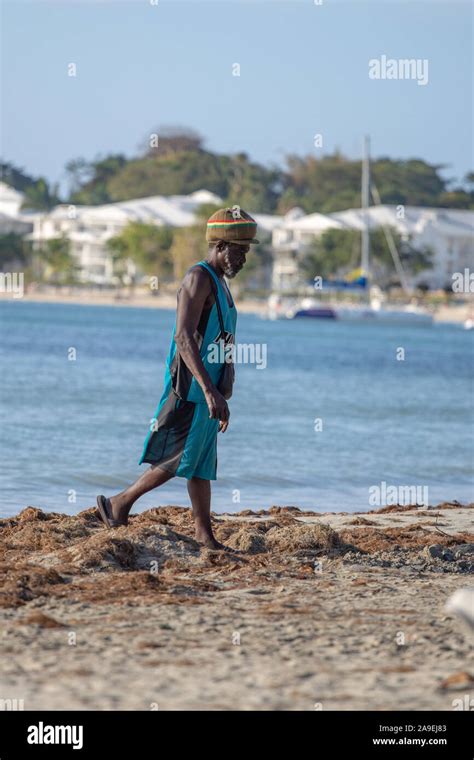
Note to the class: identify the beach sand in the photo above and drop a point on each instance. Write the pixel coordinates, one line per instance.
(142, 298)
(313, 611)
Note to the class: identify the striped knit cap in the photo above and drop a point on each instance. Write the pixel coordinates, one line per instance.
(233, 225)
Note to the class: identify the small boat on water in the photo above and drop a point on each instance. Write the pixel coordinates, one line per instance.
(316, 312)
(374, 312)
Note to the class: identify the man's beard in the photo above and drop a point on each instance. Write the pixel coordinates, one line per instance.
(230, 270)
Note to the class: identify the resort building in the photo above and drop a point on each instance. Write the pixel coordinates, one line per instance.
(447, 233)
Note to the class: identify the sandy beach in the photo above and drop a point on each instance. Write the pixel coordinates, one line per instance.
(311, 611)
(140, 298)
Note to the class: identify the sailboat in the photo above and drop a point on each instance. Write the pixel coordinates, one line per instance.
(372, 309)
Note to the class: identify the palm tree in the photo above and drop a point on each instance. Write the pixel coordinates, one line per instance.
(40, 197)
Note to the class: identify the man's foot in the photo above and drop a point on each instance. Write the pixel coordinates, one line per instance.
(208, 541)
(120, 508)
(106, 514)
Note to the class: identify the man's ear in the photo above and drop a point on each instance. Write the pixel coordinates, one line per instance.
(221, 246)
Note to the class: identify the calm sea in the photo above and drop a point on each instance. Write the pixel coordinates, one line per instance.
(334, 413)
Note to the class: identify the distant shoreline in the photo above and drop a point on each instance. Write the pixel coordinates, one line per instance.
(139, 300)
(446, 313)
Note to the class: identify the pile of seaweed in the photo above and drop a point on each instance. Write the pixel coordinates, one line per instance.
(156, 557)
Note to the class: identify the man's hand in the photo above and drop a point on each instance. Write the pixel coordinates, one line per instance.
(218, 408)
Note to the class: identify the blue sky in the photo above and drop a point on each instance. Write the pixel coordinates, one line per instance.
(303, 71)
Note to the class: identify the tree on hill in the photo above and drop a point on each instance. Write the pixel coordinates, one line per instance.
(147, 245)
(457, 196)
(89, 182)
(332, 183)
(39, 194)
(179, 164)
(171, 139)
(412, 183)
(15, 177)
(337, 252)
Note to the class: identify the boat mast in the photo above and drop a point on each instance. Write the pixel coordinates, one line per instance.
(365, 240)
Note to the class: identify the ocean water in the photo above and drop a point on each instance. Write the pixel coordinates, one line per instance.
(333, 414)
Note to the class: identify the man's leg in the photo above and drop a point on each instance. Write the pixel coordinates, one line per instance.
(200, 494)
(124, 501)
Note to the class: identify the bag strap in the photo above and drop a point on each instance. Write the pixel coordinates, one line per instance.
(216, 299)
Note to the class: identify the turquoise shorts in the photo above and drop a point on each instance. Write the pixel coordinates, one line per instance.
(182, 439)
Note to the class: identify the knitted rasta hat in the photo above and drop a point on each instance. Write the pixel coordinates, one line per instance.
(233, 225)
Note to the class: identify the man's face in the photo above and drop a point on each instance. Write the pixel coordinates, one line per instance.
(232, 258)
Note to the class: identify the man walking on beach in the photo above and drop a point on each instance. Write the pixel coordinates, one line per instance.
(182, 440)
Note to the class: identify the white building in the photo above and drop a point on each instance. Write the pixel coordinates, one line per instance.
(10, 200)
(290, 238)
(449, 233)
(12, 218)
(88, 228)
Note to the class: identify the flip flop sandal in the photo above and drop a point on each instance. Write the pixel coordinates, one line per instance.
(104, 508)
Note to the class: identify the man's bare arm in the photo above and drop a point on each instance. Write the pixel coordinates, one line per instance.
(192, 295)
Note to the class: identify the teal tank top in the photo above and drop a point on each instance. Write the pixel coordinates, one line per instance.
(207, 335)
